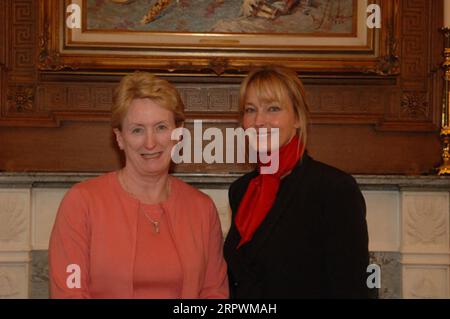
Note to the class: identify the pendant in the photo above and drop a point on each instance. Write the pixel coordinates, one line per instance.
(156, 227)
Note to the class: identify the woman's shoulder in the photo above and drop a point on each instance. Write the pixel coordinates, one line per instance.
(324, 175)
(329, 172)
(95, 185)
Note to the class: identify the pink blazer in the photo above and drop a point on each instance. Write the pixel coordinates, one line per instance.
(96, 226)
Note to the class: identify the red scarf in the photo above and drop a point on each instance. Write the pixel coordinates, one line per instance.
(262, 190)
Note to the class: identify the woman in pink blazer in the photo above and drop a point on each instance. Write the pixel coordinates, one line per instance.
(139, 232)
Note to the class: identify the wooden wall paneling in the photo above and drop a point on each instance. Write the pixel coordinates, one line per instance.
(417, 104)
(436, 44)
(388, 122)
(84, 146)
(21, 74)
(3, 24)
(3, 50)
(361, 150)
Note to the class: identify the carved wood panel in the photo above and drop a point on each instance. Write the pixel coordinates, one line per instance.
(21, 72)
(419, 29)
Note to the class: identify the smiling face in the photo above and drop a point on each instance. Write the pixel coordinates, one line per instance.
(145, 137)
(264, 113)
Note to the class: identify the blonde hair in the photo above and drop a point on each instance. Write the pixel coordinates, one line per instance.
(141, 85)
(276, 83)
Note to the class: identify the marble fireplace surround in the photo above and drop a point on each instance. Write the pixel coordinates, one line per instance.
(408, 219)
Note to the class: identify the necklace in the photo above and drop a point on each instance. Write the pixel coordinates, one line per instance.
(155, 223)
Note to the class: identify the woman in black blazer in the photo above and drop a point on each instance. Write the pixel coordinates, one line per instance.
(300, 232)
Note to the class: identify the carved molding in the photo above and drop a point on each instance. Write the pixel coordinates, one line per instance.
(389, 64)
(346, 99)
(49, 60)
(210, 99)
(22, 40)
(219, 65)
(322, 100)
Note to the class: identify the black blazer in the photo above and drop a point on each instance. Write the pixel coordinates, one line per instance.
(313, 243)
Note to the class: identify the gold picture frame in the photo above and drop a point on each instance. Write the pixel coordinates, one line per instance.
(368, 51)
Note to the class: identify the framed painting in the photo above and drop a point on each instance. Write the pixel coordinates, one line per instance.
(217, 36)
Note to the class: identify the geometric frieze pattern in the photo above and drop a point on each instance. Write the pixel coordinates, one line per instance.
(213, 98)
(23, 40)
(342, 100)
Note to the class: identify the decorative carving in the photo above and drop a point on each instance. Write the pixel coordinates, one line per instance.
(8, 285)
(220, 99)
(390, 63)
(23, 35)
(425, 287)
(22, 11)
(218, 65)
(415, 36)
(20, 99)
(193, 98)
(49, 60)
(415, 105)
(12, 220)
(426, 221)
(56, 97)
(345, 100)
(22, 42)
(214, 99)
(79, 97)
(103, 98)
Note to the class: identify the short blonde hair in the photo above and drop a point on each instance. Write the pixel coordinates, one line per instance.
(141, 85)
(276, 83)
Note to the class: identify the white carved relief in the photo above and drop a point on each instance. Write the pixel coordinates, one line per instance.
(425, 283)
(425, 287)
(12, 220)
(426, 220)
(8, 285)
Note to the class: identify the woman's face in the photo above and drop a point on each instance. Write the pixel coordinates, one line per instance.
(260, 114)
(146, 137)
